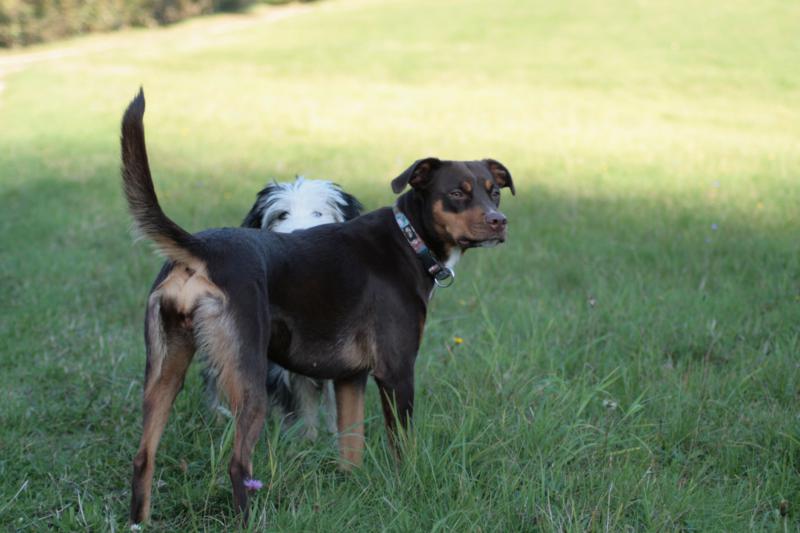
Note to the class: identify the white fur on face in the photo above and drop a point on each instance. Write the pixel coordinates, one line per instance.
(302, 204)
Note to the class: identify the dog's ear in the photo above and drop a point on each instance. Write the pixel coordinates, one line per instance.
(256, 214)
(352, 208)
(417, 175)
(501, 174)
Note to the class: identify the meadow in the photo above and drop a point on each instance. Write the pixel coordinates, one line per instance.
(626, 361)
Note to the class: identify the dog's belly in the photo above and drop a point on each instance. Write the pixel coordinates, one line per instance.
(308, 351)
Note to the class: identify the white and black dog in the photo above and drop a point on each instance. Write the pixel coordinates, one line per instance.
(284, 208)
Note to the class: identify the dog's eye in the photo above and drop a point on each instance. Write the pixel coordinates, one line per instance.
(457, 194)
(283, 215)
(495, 194)
(316, 214)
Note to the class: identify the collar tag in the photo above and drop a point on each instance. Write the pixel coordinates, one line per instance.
(445, 277)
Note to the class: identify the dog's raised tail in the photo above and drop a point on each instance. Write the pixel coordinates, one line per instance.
(149, 220)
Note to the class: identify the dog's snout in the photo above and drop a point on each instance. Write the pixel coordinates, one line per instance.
(496, 220)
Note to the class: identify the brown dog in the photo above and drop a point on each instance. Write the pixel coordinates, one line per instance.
(338, 301)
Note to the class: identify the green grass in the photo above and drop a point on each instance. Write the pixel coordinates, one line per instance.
(630, 355)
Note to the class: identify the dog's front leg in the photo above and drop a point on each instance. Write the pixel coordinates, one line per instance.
(397, 399)
(350, 419)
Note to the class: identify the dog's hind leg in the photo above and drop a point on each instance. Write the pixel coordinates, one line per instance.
(250, 413)
(236, 342)
(170, 348)
(211, 390)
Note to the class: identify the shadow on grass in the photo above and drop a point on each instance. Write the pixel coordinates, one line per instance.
(67, 250)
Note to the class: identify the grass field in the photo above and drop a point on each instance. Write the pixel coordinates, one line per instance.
(630, 355)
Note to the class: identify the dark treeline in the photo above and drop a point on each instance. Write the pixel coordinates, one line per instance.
(24, 22)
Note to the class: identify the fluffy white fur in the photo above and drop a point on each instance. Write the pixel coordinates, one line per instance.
(301, 204)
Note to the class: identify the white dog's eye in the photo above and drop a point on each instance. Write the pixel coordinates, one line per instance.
(283, 216)
(316, 214)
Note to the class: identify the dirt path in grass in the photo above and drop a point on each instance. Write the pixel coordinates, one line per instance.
(14, 61)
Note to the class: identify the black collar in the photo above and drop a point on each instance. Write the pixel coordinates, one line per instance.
(443, 275)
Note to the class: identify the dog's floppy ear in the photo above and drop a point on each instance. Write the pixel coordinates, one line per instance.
(256, 214)
(347, 204)
(501, 174)
(352, 207)
(417, 175)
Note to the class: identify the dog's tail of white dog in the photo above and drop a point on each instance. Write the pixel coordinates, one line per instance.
(149, 220)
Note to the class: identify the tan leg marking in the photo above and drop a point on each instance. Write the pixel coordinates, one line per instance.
(160, 392)
(171, 346)
(350, 422)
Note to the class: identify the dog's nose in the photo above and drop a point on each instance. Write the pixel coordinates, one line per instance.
(496, 220)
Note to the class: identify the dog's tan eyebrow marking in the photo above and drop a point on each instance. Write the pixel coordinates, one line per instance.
(466, 185)
(488, 184)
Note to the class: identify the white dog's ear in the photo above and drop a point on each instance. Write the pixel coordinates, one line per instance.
(351, 208)
(417, 175)
(256, 215)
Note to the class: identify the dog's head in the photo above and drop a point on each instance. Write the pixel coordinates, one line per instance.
(461, 199)
(285, 207)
